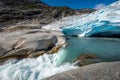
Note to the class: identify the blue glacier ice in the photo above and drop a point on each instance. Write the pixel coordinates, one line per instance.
(104, 20)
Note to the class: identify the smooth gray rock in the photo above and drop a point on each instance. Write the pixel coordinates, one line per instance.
(99, 71)
(23, 42)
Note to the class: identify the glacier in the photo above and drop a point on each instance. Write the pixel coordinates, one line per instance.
(105, 20)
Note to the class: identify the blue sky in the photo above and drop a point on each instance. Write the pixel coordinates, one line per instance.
(77, 4)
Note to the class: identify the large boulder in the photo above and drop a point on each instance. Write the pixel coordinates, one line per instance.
(23, 42)
(99, 71)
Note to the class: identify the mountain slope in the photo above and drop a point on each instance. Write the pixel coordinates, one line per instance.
(13, 11)
(21, 4)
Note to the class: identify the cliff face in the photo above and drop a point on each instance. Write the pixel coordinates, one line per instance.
(13, 11)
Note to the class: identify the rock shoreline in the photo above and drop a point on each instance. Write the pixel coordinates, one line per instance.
(99, 71)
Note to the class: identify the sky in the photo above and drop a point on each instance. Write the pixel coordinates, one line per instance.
(78, 4)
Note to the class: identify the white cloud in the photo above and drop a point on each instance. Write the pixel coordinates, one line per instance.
(99, 6)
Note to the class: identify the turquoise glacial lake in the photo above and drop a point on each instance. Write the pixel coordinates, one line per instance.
(106, 49)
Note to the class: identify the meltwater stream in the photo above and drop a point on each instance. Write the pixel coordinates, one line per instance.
(32, 69)
(106, 49)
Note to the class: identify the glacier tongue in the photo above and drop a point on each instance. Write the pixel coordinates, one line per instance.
(104, 20)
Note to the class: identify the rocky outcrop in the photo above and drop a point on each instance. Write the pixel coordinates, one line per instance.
(100, 71)
(25, 42)
(13, 11)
